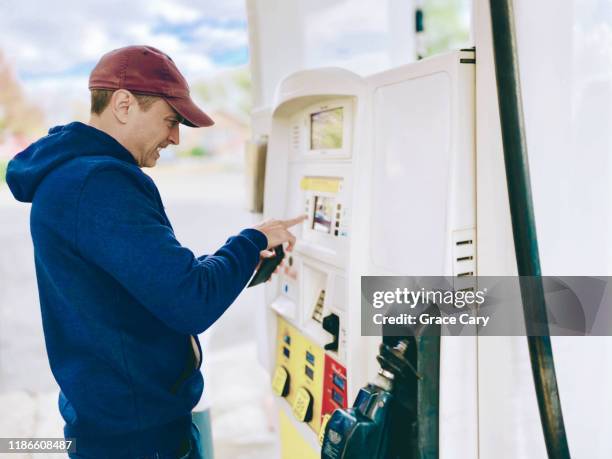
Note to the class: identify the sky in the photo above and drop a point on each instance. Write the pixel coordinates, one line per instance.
(52, 46)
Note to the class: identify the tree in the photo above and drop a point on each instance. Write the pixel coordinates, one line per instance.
(17, 115)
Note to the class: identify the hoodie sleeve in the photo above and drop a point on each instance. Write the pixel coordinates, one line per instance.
(121, 229)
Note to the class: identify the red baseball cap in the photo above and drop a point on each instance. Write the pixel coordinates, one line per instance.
(146, 70)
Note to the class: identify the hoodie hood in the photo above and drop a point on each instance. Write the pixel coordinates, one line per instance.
(63, 143)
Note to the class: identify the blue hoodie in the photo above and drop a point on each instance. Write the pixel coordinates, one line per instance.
(119, 295)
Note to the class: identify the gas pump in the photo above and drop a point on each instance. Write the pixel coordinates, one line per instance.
(312, 156)
(352, 154)
(412, 204)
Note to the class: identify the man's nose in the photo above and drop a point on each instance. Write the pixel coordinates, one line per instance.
(174, 136)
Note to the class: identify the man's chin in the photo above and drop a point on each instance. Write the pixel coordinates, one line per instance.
(151, 162)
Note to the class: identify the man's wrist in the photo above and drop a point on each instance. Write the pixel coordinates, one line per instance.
(256, 237)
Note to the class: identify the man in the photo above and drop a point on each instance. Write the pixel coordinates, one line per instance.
(122, 301)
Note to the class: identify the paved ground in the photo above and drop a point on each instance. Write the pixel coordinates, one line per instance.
(205, 204)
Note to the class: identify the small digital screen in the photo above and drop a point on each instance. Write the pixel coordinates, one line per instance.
(287, 339)
(339, 381)
(286, 352)
(309, 372)
(310, 358)
(323, 213)
(326, 129)
(338, 398)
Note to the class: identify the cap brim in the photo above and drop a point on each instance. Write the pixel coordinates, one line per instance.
(191, 114)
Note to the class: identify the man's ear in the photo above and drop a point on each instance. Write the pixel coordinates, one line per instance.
(121, 102)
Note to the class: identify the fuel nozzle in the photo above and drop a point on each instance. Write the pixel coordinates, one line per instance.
(395, 357)
(375, 426)
(384, 380)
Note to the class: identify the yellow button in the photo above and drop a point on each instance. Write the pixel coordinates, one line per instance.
(280, 381)
(302, 405)
(323, 425)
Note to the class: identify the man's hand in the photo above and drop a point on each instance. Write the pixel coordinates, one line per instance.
(277, 232)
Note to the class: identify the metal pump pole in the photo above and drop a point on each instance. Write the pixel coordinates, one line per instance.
(524, 229)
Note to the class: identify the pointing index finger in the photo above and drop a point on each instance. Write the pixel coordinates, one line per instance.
(294, 221)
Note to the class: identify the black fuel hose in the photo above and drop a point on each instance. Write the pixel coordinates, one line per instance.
(524, 229)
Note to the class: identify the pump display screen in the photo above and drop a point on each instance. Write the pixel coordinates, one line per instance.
(323, 211)
(326, 129)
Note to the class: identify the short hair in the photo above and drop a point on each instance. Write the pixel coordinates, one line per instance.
(100, 98)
